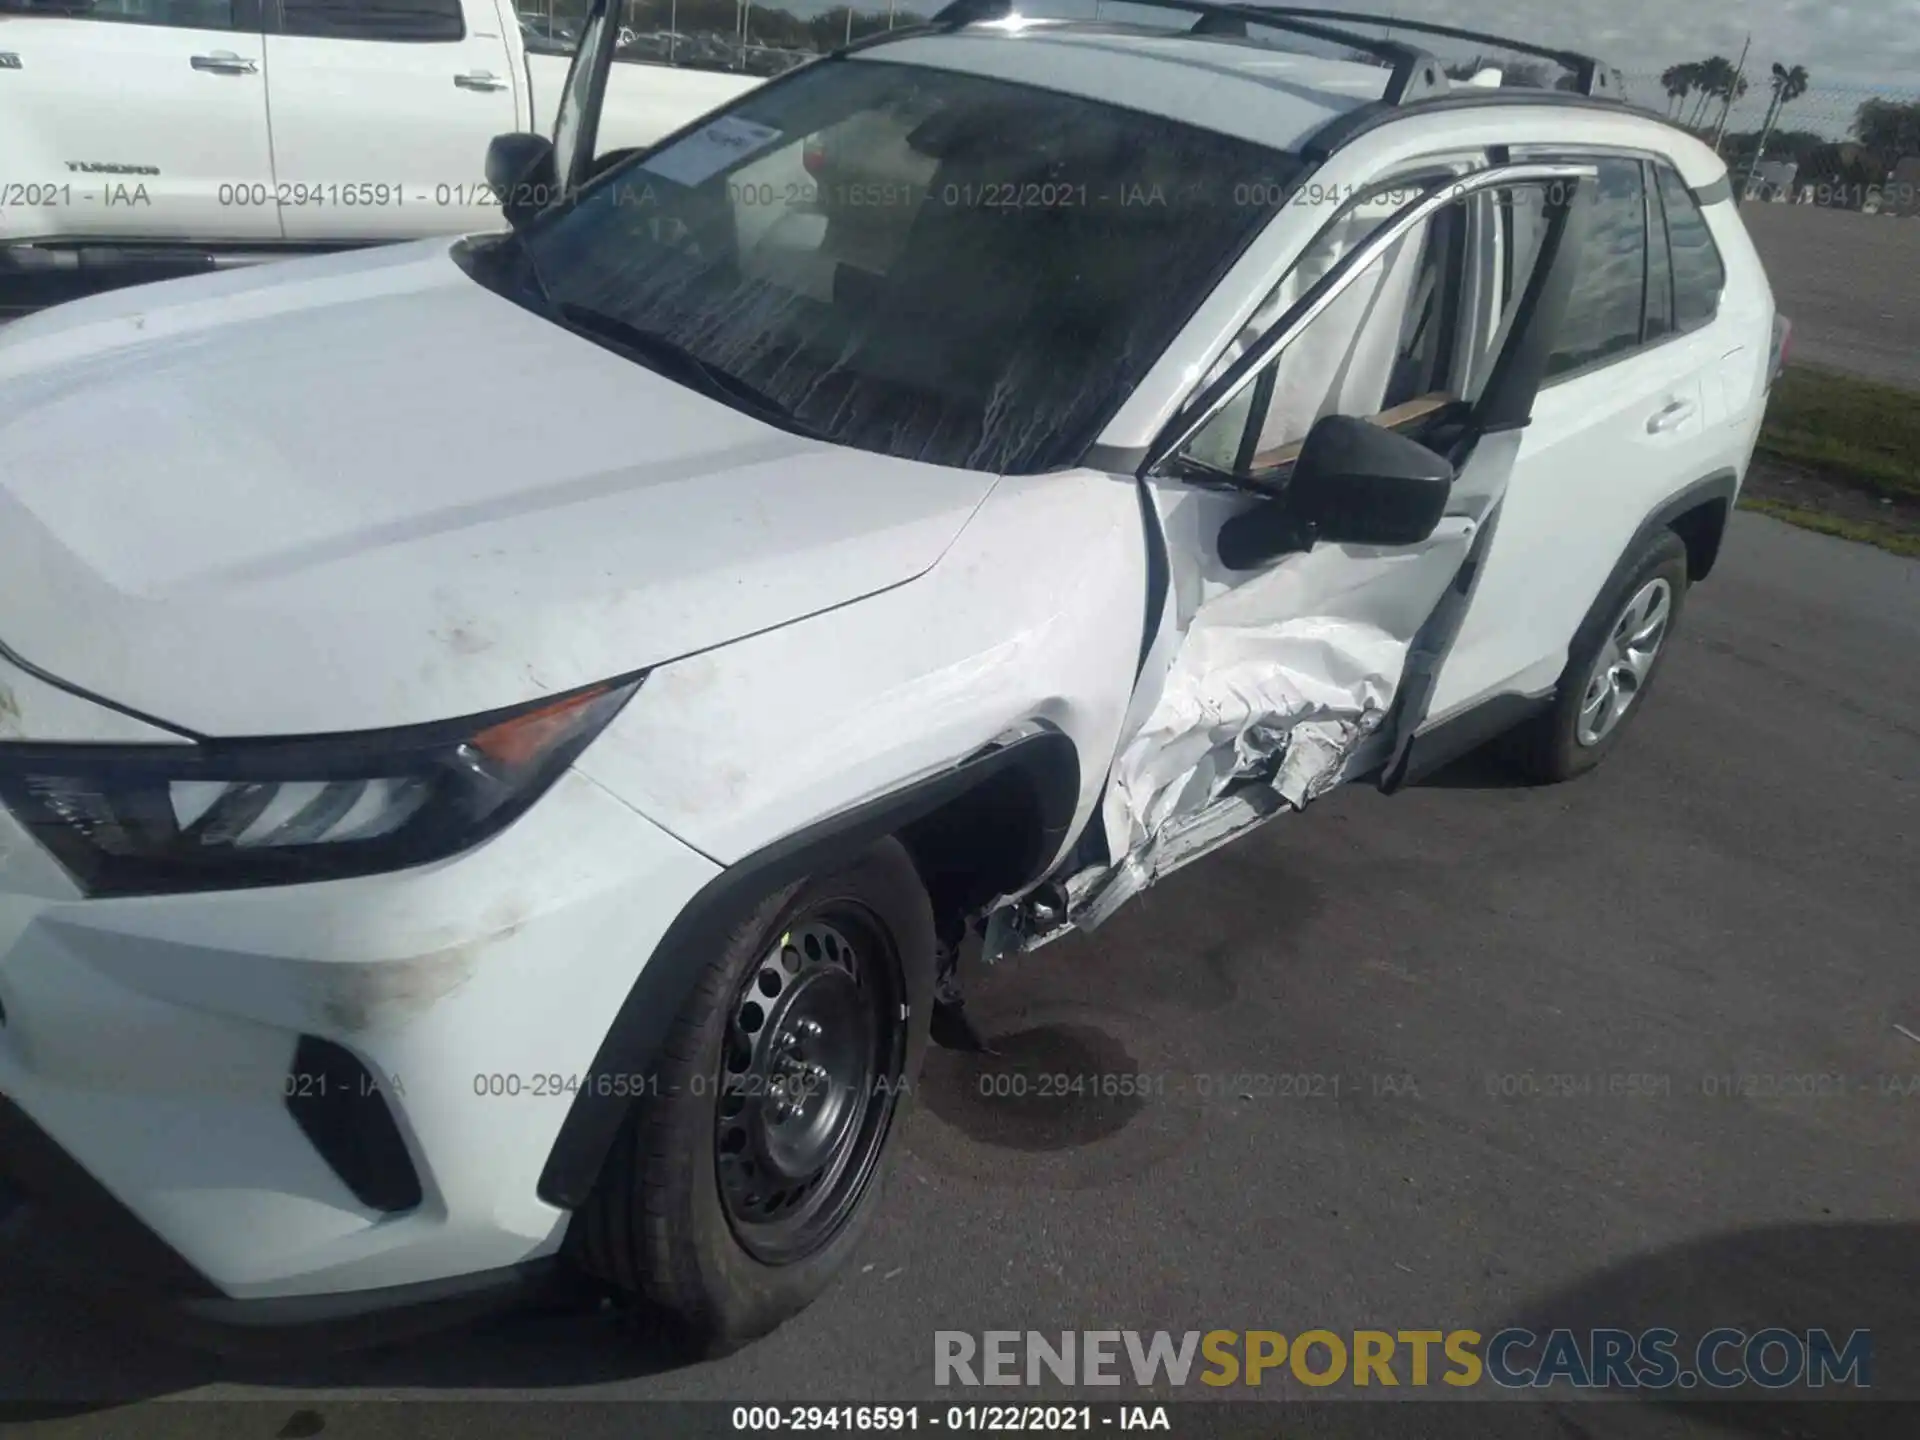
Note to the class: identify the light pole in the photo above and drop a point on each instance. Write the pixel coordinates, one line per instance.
(1733, 89)
(1766, 134)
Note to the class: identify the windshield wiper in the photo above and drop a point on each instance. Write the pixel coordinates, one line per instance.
(672, 358)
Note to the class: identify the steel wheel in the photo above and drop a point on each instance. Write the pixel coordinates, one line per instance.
(810, 1074)
(1625, 661)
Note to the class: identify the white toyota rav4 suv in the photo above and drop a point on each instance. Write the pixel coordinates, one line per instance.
(505, 741)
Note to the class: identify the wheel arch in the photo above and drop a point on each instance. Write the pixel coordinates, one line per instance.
(1017, 796)
(1699, 517)
(1697, 513)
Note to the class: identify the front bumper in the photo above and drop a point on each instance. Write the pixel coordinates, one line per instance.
(156, 1065)
(58, 1221)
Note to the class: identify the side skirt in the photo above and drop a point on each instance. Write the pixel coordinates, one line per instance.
(1087, 900)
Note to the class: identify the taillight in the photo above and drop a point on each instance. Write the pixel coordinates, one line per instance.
(1782, 344)
(813, 155)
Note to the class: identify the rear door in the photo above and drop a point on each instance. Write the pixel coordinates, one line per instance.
(137, 120)
(1270, 679)
(1629, 415)
(1699, 279)
(381, 112)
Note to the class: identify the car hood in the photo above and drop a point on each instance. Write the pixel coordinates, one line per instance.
(364, 490)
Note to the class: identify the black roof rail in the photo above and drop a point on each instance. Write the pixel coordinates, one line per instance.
(1590, 76)
(1416, 74)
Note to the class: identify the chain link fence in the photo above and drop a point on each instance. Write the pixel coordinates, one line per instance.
(1842, 146)
(719, 34)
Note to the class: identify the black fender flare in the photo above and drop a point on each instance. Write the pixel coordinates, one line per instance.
(1723, 485)
(634, 1038)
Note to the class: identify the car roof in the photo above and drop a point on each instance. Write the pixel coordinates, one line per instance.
(1276, 98)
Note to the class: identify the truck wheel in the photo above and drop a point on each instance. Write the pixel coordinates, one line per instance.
(1611, 665)
(733, 1198)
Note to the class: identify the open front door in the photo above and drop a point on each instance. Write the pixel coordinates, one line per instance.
(1276, 675)
(530, 174)
(576, 122)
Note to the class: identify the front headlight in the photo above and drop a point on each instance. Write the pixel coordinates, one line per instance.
(155, 819)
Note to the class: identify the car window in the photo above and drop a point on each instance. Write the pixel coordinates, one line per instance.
(1698, 275)
(713, 51)
(177, 14)
(391, 20)
(1603, 312)
(917, 262)
(1416, 331)
(1659, 271)
(1372, 349)
(1388, 346)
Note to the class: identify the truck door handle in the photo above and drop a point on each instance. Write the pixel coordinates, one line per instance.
(225, 62)
(1670, 416)
(479, 80)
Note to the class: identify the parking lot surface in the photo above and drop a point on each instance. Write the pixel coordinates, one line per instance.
(1850, 283)
(1381, 1035)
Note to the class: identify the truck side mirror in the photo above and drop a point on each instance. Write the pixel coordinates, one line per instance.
(521, 172)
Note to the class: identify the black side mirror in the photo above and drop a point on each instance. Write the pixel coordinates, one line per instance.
(1357, 483)
(522, 174)
(1354, 483)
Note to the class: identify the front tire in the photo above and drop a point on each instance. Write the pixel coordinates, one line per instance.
(1611, 665)
(732, 1199)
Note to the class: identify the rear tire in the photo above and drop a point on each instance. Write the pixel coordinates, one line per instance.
(1615, 656)
(732, 1199)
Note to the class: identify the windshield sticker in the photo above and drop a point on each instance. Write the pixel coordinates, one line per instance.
(709, 150)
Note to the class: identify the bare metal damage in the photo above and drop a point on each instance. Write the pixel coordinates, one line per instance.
(1254, 718)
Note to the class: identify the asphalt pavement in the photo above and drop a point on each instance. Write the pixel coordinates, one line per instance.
(1381, 1035)
(1849, 282)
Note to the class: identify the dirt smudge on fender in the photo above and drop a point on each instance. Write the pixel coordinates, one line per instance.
(384, 994)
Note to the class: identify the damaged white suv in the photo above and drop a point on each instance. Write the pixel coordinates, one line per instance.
(504, 741)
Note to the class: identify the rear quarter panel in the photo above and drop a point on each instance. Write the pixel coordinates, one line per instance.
(1747, 310)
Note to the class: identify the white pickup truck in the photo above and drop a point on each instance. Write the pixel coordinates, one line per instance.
(235, 129)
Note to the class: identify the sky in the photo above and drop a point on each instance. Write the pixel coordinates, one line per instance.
(1855, 46)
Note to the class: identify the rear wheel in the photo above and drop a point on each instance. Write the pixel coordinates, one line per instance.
(1611, 666)
(733, 1198)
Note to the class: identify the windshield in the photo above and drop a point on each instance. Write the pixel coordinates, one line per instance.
(915, 262)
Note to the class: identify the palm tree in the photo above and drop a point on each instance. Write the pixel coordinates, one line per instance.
(1679, 81)
(1734, 90)
(1715, 78)
(1788, 86)
(1707, 81)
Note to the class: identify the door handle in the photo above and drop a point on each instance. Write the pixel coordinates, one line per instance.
(1670, 416)
(225, 62)
(479, 80)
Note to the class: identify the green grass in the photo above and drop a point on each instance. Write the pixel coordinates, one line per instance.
(1856, 432)
(1864, 531)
